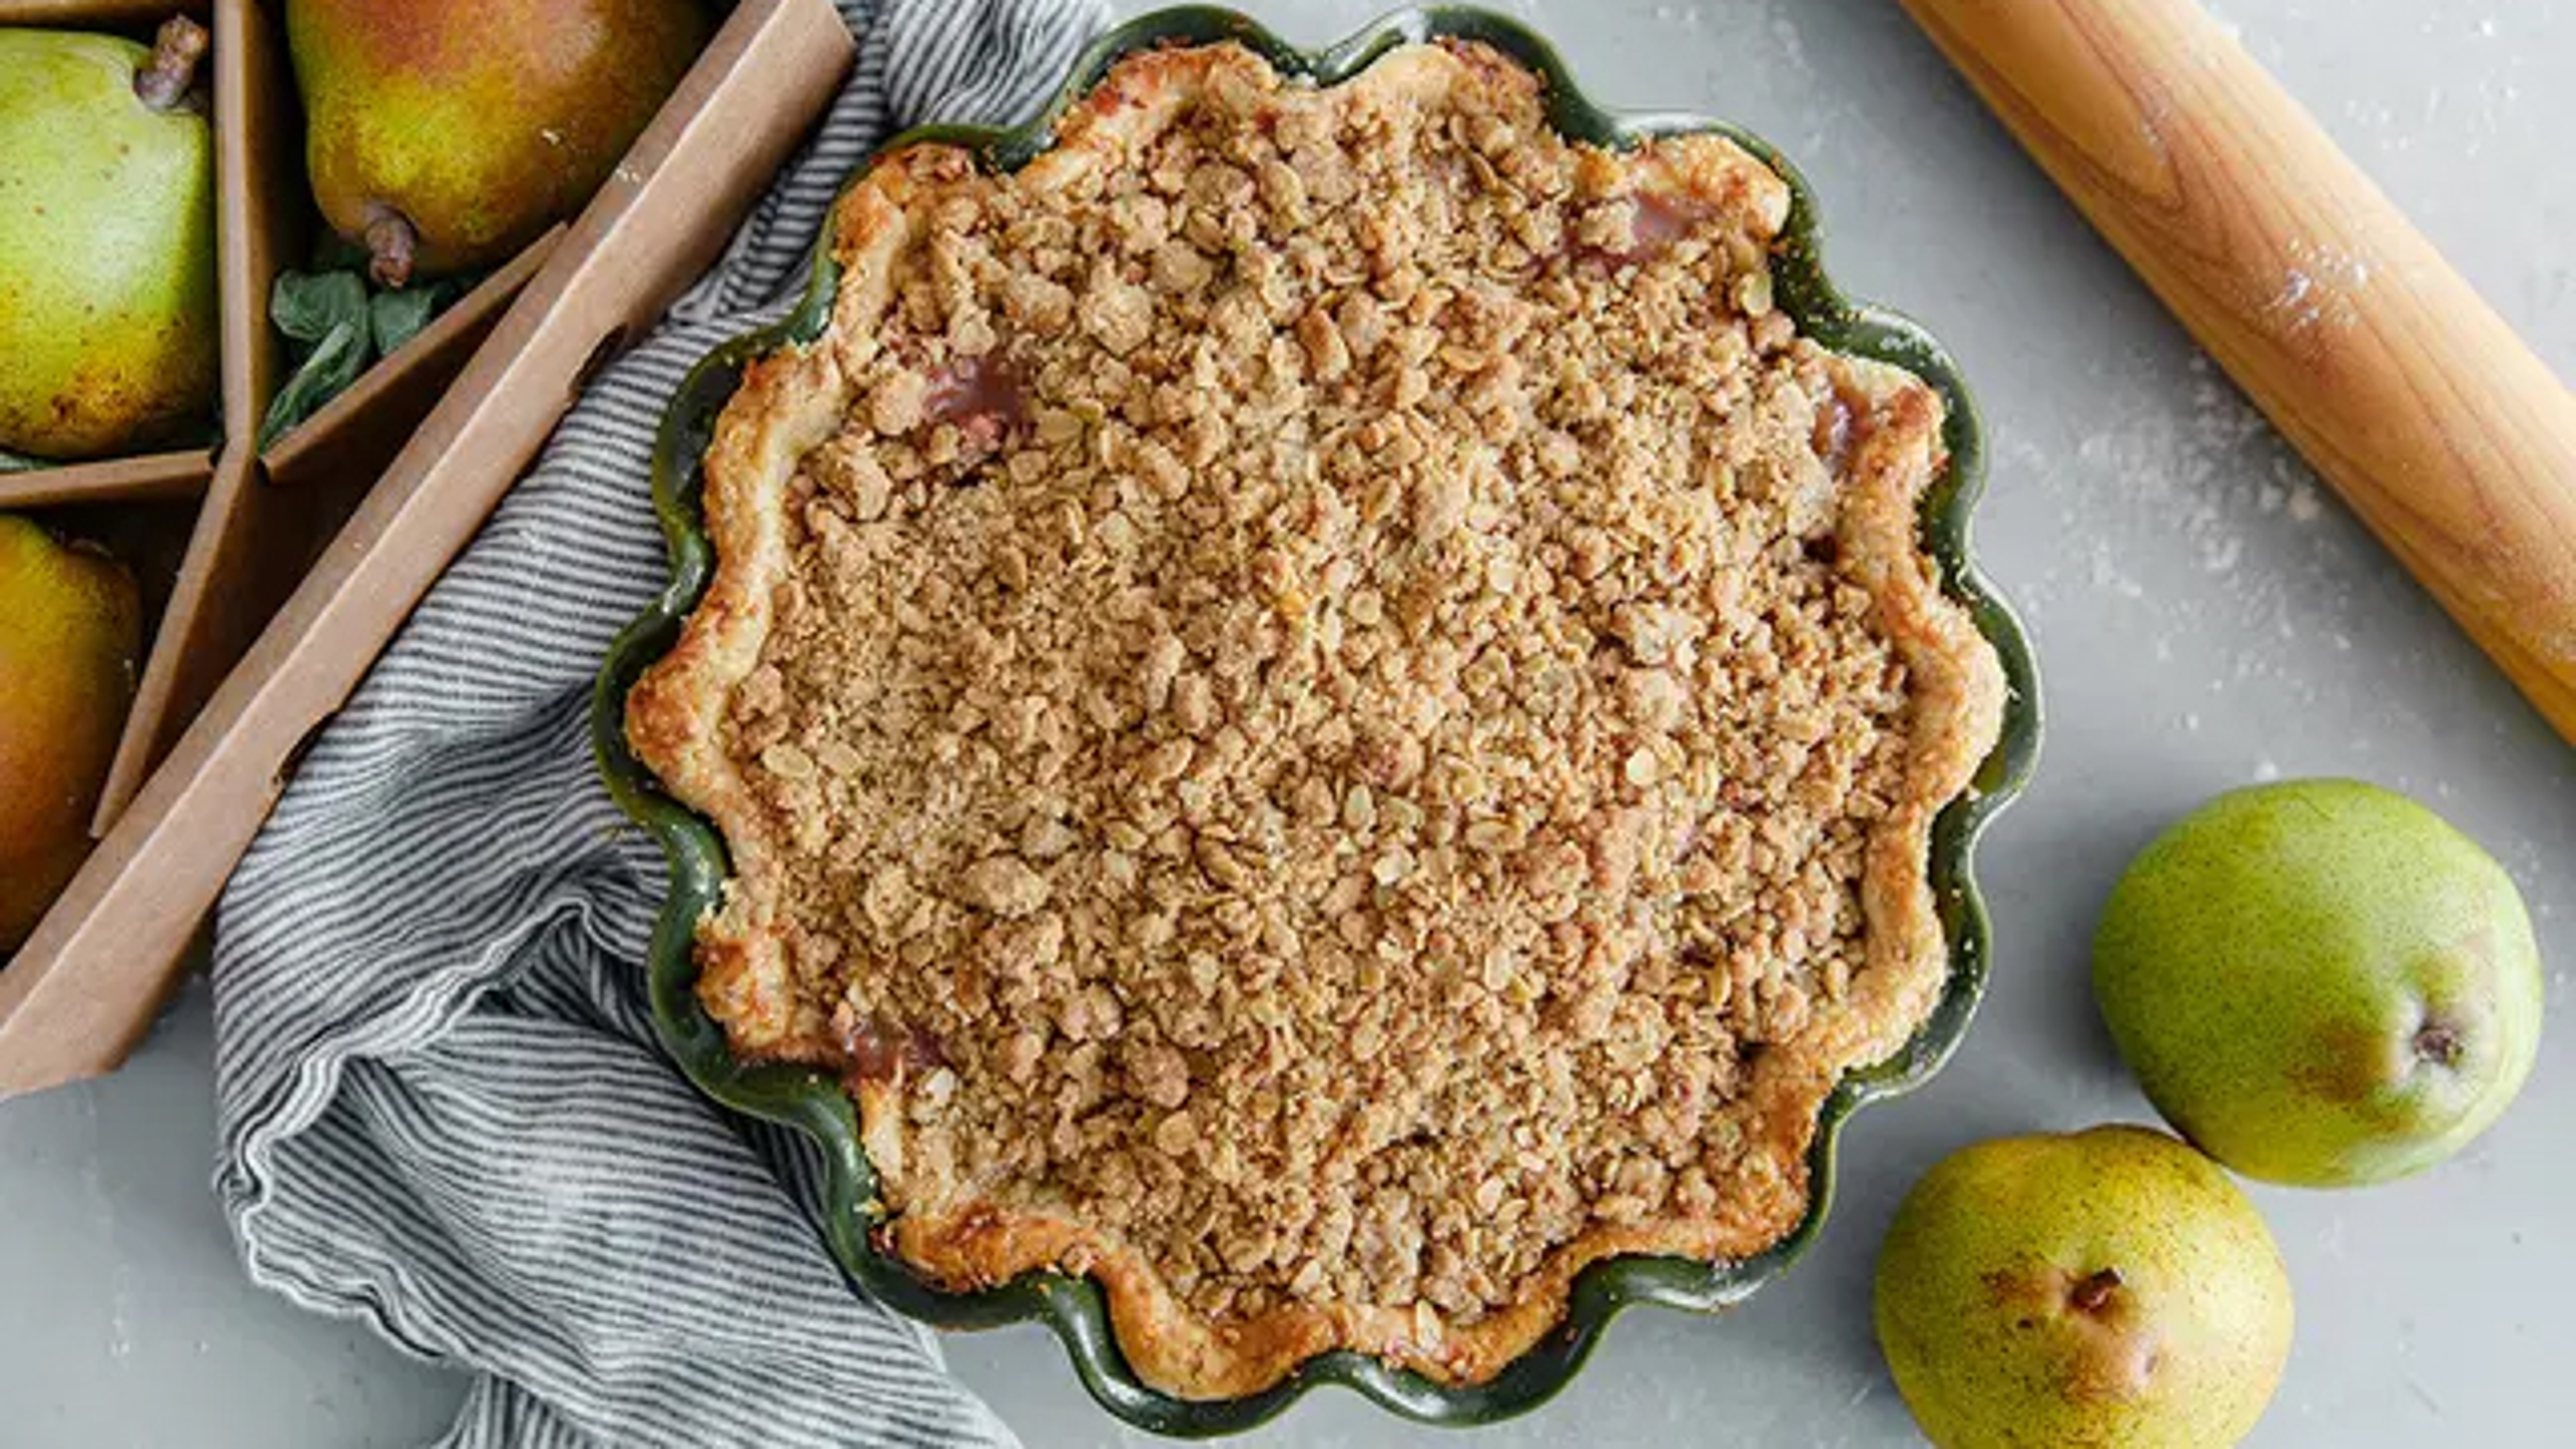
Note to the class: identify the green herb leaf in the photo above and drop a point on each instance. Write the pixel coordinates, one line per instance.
(307, 306)
(400, 316)
(325, 373)
(397, 317)
(20, 462)
(343, 327)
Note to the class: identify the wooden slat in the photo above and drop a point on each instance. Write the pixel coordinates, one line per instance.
(253, 542)
(268, 207)
(244, 554)
(158, 477)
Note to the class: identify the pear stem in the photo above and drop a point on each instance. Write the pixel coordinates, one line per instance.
(2094, 1293)
(2438, 1042)
(392, 242)
(164, 82)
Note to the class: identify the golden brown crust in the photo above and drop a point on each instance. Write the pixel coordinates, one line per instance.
(780, 981)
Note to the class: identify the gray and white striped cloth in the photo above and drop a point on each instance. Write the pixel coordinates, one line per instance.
(441, 1107)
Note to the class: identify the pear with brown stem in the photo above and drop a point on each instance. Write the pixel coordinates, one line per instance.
(108, 337)
(445, 135)
(2108, 1289)
(2321, 982)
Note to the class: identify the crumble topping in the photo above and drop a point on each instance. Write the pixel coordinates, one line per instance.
(1342, 715)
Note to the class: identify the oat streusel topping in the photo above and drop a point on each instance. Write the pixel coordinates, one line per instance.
(1325, 700)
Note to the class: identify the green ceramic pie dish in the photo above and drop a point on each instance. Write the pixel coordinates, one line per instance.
(815, 1102)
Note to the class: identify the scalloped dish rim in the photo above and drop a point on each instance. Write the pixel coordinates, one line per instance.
(815, 1102)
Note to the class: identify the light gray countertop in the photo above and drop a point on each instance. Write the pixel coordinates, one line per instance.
(2206, 616)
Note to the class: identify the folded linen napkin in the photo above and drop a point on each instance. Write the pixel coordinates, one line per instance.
(441, 1108)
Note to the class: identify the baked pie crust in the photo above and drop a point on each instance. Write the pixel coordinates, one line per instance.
(1324, 710)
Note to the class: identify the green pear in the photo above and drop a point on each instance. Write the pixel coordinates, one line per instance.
(107, 242)
(68, 658)
(2108, 1289)
(2320, 982)
(445, 135)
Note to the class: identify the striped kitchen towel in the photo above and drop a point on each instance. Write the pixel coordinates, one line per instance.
(441, 1106)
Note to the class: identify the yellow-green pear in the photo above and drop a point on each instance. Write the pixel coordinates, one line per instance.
(74, 629)
(107, 242)
(2108, 1289)
(445, 135)
(2320, 982)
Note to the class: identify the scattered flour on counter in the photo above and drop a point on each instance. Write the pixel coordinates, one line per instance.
(103, 1209)
(2107, 574)
(2394, 135)
(2330, 1238)
(2182, 518)
(1785, 32)
(2198, 466)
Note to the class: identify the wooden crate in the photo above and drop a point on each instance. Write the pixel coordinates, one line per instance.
(277, 592)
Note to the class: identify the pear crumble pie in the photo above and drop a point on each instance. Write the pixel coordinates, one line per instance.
(1323, 709)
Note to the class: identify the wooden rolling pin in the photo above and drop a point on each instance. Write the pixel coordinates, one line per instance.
(2449, 438)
